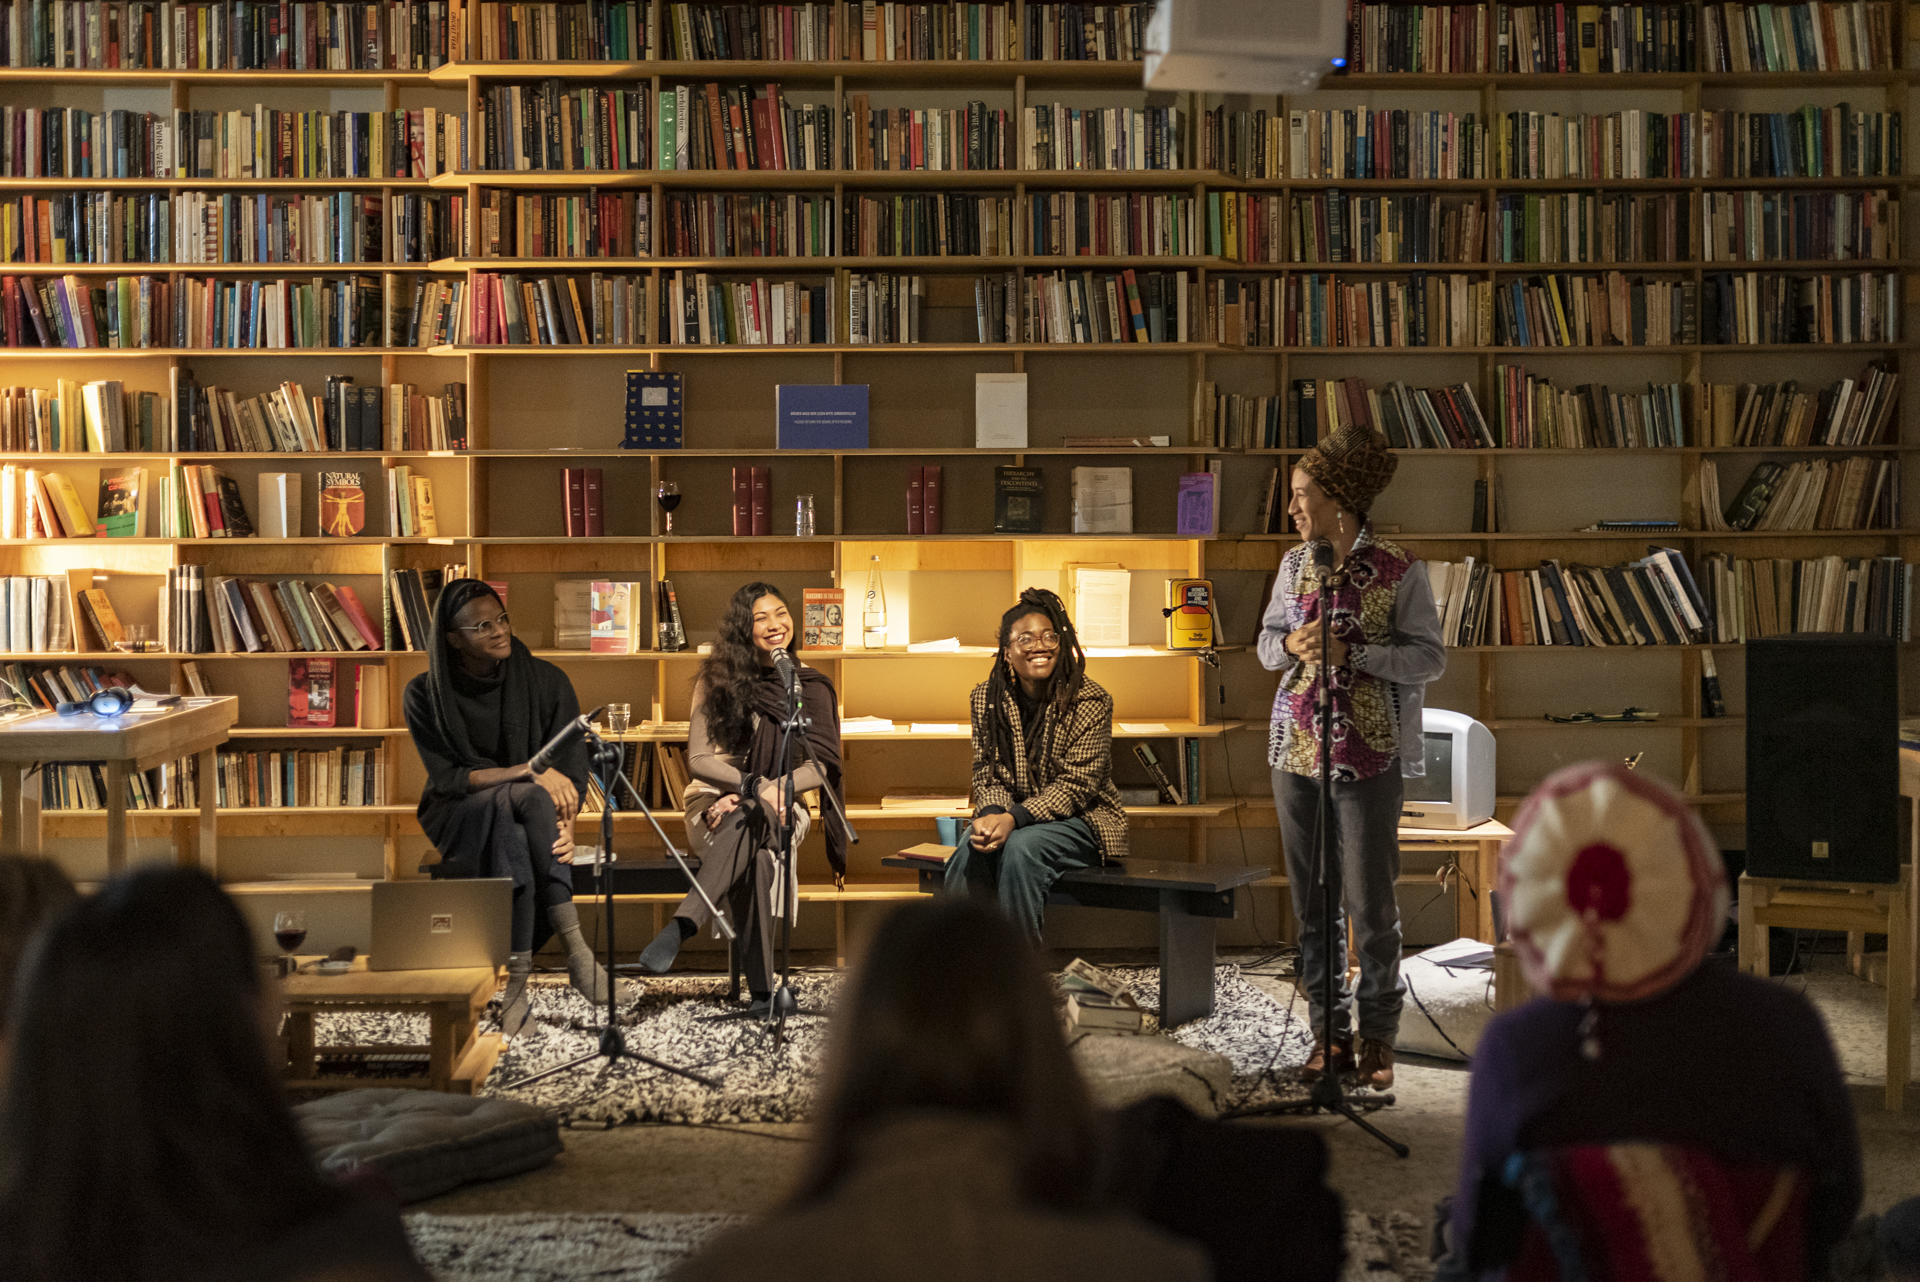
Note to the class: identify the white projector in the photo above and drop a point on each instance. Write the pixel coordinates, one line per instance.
(1244, 46)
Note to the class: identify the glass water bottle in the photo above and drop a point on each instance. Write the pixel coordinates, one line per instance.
(873, 615)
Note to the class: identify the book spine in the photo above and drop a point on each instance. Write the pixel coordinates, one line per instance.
(931, 506)
(916, 500)
(593, 511)
(760, 496)
(743, 500)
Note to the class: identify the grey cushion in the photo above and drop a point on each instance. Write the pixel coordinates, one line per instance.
(1124, 1069)
(426, 1142)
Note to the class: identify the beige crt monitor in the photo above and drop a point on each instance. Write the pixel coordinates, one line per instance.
(441, 925)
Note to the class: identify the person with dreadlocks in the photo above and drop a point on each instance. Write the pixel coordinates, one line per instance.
(738, 787)
(478, 714)
(1383, 647)
(1044, 801)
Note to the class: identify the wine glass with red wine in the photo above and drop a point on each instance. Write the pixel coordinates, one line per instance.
(289, 931)
(667, 495)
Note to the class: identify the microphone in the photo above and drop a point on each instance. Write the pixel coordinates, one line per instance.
(783, 662)
(575, 728)
(1321, 550)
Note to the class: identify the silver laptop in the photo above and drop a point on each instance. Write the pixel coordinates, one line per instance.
(439, 925)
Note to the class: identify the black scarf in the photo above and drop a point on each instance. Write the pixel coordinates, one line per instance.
(771, 703)
(518, 716)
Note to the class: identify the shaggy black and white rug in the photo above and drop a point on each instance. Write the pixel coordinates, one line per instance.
(645, 1248)
(1262, 1043)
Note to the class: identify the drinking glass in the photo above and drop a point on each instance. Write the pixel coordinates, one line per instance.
(667, 495)
(619, 717)
(289, 931)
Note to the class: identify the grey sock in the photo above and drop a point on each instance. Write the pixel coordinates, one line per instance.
(588, 975)
(658, 956)
(516, 1009)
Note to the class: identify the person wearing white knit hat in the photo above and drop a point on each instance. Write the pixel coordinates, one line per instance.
(1615, 891)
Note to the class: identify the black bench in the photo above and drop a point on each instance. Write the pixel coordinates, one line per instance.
(1190, 898)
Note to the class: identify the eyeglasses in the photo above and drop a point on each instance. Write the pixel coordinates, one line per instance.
(1025, 641)
(483, 629)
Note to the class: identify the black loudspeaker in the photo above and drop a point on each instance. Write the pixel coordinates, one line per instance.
(1823, 758)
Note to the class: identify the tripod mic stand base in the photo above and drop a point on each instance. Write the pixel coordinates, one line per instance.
(1328, 1097)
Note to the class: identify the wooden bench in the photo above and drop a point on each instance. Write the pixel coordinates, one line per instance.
(1191, 899)
(459, 1056)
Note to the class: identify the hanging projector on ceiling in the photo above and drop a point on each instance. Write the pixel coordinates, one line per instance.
(1245, 46)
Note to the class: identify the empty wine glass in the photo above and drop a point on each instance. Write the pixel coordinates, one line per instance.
(667, 495)
(289, 931)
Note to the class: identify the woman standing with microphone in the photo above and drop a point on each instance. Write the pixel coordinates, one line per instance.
(736, 798)
(1383, 647)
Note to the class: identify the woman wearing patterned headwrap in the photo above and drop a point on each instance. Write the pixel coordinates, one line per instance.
(1382, 649)
(1697, 1112)
(478, 714)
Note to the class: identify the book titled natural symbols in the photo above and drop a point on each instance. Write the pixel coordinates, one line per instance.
(821, 416)
(343, 505)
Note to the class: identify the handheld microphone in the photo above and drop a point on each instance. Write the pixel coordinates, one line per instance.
(543, 759)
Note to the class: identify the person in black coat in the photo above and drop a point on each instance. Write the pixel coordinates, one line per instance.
(478, 714)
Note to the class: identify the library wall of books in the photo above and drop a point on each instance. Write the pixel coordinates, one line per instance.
(308, 307)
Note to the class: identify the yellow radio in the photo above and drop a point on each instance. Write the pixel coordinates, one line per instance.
(1189, 614)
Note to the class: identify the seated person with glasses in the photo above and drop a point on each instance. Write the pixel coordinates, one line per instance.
(478, 714)
(1044, 801)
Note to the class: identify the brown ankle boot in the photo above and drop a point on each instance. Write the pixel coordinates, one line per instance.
(1376, 1063)
(1316, 1066)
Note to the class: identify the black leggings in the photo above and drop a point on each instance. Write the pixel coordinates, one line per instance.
(519, 846)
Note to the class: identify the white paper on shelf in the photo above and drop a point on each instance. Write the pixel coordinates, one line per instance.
(942, 727)
(1145, 727)
(866, 725)
(1100, 600)
(999, 411)
(941, 645)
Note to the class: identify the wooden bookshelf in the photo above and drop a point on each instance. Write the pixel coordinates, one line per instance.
(534, 410)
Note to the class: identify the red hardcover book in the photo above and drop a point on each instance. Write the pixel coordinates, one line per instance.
(357, 613)
(916, 500)
(310, 699)
(761, 495)
(575, 483)
(743, 500)
(595, 516)
(722, 157)
(932, 516)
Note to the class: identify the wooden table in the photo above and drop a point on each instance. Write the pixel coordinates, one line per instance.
(137, 740)
(1477, 856)
(458, 1057)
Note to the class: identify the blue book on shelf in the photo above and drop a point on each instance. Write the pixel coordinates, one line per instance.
(821, 416)
(654, 405)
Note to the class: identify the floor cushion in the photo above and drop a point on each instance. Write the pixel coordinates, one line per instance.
(1123, 1069)
(1447, 1006)
(423, 1143)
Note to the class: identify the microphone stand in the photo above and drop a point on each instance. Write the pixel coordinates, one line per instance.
(613, 1046)
(1327, 1095)
(782, 1003)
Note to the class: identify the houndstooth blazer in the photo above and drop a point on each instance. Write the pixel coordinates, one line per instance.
(1075, 774)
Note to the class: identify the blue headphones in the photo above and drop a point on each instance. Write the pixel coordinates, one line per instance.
(111, 702)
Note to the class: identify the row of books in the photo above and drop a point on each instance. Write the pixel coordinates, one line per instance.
(336, 776)
(36, 616)
(974, 137)
(1772, 597)
(871, 31)
(1245, 144)
(1756, 226)
(552, 125)
(696, 308)
(1057, 136)
(1532, 38)
(773, 224)
(932, 223)
(1086, 32)
(1106, 307)
(226, 35)
(583, 492)
(245, 615)
(1387, 142)
(257, 142)
(1806, 494)
(611, 30)
(553, 310)
(1748, 307)
(1651, 601)
(343, 417)
(1850, 411)
(1584, 227)
(545, 224)
(1595, 311)
(715, 126)
(407, 604)
(1530, 412)
(188, 311)
(1339, 226)
(39, 504)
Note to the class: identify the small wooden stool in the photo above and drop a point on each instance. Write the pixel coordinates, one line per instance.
(1854, 907)
(458, 1058)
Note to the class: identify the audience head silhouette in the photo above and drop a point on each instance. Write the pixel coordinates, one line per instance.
(143, 1133)
(1614, 889)
(948, 1010)
(32, 891)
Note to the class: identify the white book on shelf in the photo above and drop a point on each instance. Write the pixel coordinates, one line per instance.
(1000, 411)
(1102, 500)
(279, 505)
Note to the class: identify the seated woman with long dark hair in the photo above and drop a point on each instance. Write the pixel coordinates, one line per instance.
(1044, 801)
(144, 1135)
(738, 784)
(478, 714)
(953, 1137)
